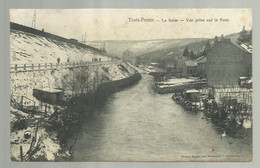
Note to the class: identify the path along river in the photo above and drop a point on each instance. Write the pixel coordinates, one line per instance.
(137, 124)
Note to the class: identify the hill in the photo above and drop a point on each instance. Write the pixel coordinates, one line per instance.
(141, 47)
(27, 47)
(169, 54)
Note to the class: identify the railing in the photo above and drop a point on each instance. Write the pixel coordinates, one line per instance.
(50, 66)
(29, 106)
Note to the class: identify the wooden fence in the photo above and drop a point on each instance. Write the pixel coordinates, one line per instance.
(51, 66)
(29, 106)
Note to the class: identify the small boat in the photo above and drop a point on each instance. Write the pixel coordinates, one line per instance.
(188, 99)
(193, 97)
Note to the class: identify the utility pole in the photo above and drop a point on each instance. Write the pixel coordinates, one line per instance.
(104, 47)
(82, 39)
(85, 39)
(34, 20)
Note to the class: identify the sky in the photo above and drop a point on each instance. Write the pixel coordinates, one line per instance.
(123, 24)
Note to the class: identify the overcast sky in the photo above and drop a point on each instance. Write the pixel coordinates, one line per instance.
(113, 24)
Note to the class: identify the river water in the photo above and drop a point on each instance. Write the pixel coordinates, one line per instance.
(137, 124)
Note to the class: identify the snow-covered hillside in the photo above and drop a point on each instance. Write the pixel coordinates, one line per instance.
(23, 83)
(30, 48)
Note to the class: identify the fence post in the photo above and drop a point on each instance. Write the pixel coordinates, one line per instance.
(22, 101)
(24, 66)
(45, 114)
(51, 65)
(15, 67)
(45, 65)
(39, 66)
(21, 152)
(32, 66)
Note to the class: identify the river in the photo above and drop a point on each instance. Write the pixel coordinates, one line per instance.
(137, 124)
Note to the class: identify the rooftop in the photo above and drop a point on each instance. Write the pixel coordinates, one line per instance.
(242, 46)
(190, 63)
(201, 59)
(192, 91)
(50, 90)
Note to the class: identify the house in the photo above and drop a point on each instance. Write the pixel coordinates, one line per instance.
(49, 95)
(170, 69)
(191, 68)
(129, 56)
(192, 95)
(226, 62)
(179, 66)
(201, 63)
(185, 67)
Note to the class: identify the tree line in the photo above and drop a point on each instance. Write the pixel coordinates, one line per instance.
(208, 46)
(243, 37)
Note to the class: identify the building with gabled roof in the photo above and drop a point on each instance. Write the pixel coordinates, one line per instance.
(201, 63)
(185, 67)
(130, 57)
(226, 62)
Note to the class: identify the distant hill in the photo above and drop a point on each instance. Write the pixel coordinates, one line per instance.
(169, 54)
(117, 48)
(155, 50)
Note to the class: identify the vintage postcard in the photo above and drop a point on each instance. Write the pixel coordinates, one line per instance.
(131, 85)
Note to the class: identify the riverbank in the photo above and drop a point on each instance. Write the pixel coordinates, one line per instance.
(83, 107)
(40, 121)
(229, 109)
(175, 84)
(44, 142)
(232, 116)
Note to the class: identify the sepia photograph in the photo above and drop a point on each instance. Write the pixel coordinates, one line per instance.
(131, 85)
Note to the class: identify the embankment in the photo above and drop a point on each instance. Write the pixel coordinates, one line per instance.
(114, 86)
(49, 130)
(82, 108)
(171, 89)
(61, 122)
(164, 86)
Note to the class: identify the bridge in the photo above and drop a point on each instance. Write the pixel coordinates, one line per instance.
(14, 68)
